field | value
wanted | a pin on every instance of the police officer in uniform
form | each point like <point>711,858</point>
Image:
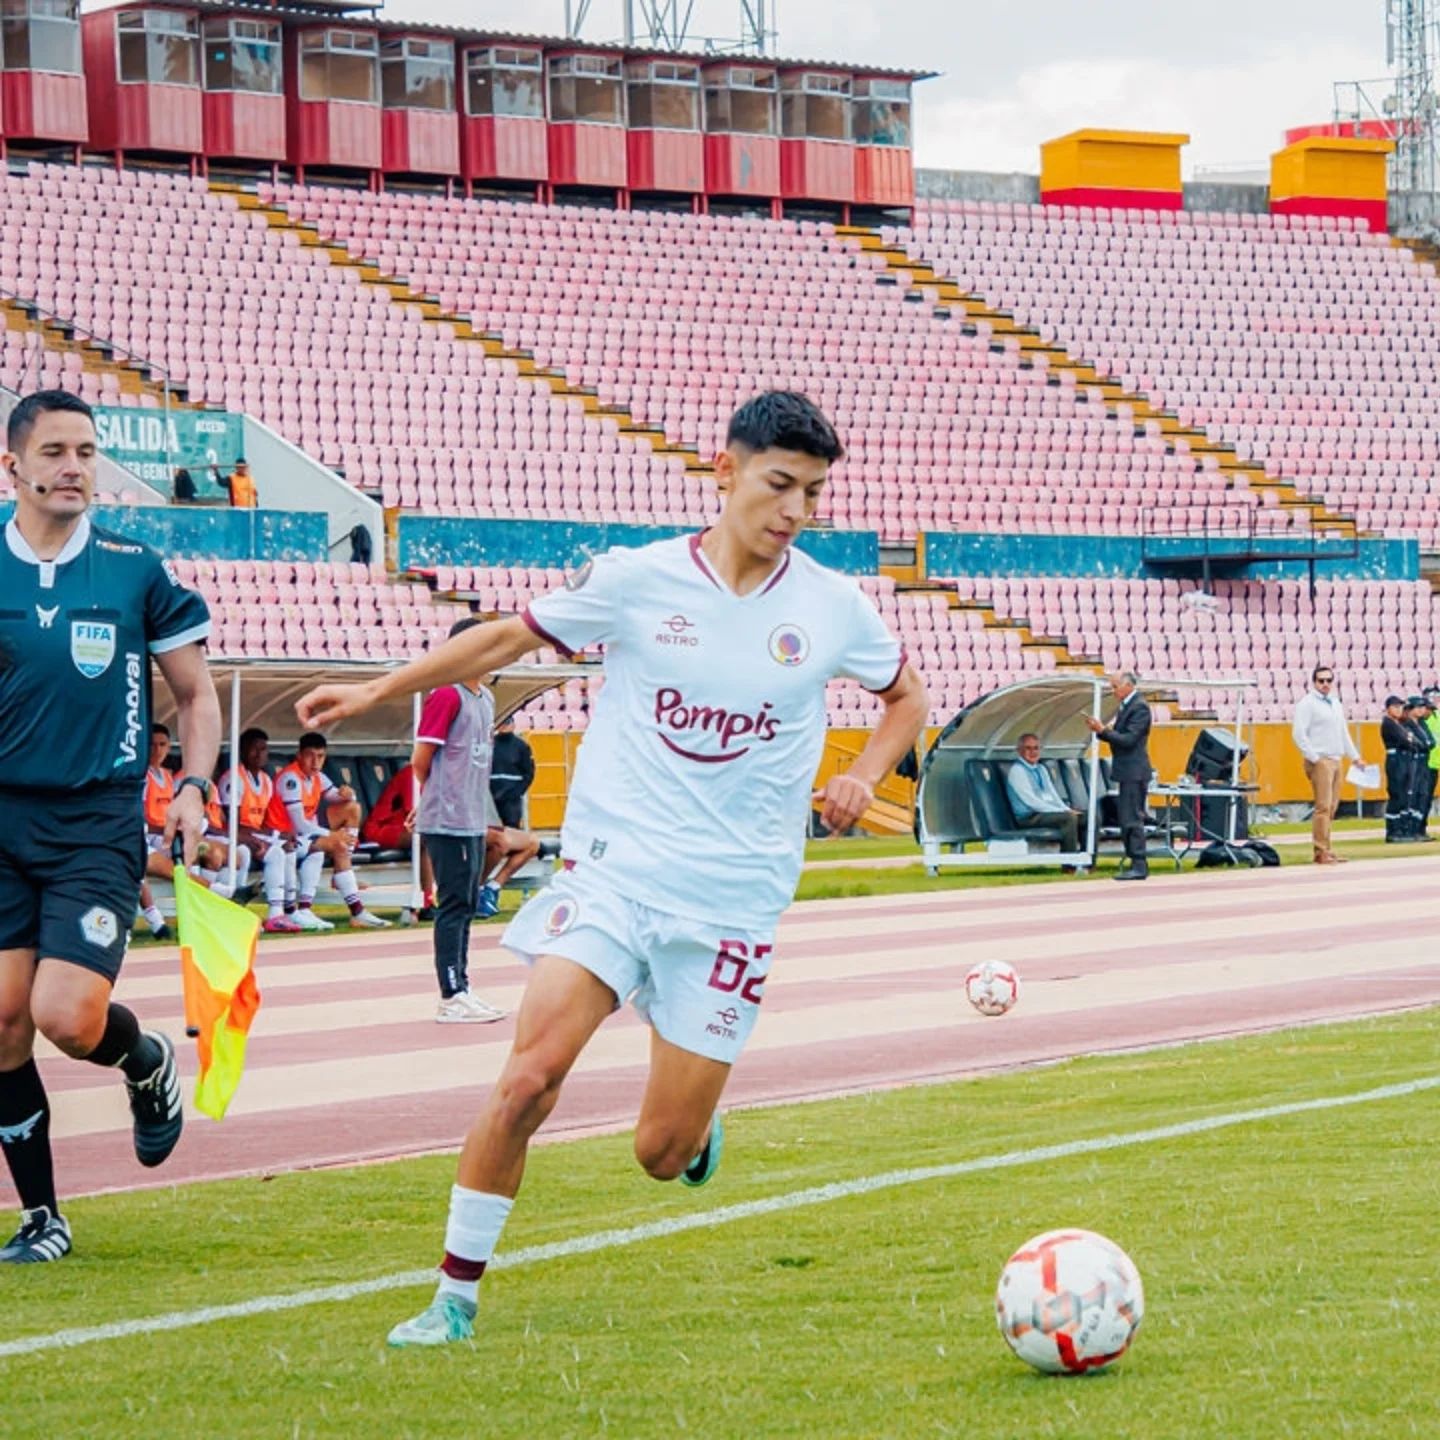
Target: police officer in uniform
<point>82,610</point>
<point>1398,742</point>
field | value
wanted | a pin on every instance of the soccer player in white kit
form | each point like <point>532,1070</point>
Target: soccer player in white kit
<point>684,833</point>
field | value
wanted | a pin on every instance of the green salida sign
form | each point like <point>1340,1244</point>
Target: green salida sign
<point>154,445</point>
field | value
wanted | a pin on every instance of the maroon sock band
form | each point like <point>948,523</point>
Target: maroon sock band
<point>459,1268</point>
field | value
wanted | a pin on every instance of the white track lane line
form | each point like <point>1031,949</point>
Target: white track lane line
<point>705,1220</point>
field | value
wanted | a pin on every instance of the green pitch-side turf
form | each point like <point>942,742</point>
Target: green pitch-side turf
<point>1290,1268</point>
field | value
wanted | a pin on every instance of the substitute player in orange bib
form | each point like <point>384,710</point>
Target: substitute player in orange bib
<point>684,833</point>
<point>301,788</point>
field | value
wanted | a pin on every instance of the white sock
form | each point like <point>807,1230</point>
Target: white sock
<point>310,868</point>
<point>274,872</point>
<point>471,1235</point>
<point>153,918</point>
<point>349,889</point>
<point>292,880</point>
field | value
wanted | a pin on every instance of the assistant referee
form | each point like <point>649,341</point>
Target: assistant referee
<point>81,612</point>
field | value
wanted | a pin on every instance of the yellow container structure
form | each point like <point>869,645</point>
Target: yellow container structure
<point>1113,169</point>
<point>1332,175</point>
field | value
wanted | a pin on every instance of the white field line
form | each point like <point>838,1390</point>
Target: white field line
<point>705,1220</point>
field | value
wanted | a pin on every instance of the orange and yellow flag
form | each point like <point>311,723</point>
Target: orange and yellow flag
<point>217,965</point>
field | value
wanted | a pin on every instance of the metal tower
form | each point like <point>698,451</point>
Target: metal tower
<point>1405,103</point>
<point>1412,46</point>
<point>668,25</point>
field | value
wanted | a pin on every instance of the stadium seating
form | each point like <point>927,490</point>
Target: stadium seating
<point>1381,636</point>
<point>1262,332</point>
<point>679,317</point>
<point>1308,346</point>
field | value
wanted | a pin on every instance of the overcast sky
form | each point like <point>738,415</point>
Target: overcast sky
<point>1233,74</point>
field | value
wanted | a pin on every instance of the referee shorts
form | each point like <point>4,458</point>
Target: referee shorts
<point>70,870</point>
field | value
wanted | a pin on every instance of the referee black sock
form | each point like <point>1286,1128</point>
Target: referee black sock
<point>25,1136</point>
<point>122,1044</point>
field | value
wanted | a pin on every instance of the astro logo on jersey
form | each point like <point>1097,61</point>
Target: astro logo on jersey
<point>675,631</point>
<point>92,646</point>
<point>789,645</point>
<point>673,714</point>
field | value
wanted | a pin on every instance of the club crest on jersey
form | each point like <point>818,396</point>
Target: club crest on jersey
<point>563,914</point>
<point>789,645</point>
<point>92,646</point>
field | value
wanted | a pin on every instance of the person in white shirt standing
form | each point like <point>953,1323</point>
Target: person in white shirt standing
<point>684,833</point>
<point>1323,738</point>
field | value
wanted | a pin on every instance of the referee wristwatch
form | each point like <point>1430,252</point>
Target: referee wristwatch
<point>205,787</point>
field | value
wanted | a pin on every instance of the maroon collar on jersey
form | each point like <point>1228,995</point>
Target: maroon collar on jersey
<point>707,570</point>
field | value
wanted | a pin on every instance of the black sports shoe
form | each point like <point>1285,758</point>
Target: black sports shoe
<point>155,1104</point>
<point>41,1236</point>
<point>162,931</point>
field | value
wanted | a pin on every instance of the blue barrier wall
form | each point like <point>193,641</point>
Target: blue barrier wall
<point>427,541</point>
<point>1119,557</point>
<point>217,533</point>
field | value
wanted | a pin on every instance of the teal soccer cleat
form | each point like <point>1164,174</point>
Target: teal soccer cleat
<point>445,1320</point>
<point>707,1162</point>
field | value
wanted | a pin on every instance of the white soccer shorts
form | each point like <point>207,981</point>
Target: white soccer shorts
<point>699,985</point>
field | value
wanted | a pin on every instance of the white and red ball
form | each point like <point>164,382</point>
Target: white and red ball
<point>992,987</point>
<point>1069,1302</point>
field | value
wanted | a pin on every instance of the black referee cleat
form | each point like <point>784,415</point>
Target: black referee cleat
<point>41,1236</point>
<point>155,1104</point>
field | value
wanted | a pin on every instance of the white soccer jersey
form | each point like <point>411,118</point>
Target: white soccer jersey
<point>695,776</point>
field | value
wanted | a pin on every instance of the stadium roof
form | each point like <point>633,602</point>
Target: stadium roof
<point>327,9</point>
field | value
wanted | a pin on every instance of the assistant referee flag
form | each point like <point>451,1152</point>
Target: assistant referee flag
<point>217,965</point>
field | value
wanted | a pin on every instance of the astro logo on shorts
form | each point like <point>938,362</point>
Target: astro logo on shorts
<point>92,646</point>
<point>99,926</point>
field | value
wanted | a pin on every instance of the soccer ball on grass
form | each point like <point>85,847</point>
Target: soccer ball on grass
<point>1069,1302</point>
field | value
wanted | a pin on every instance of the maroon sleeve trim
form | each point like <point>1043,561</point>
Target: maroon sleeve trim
<point>545,635</point>
<point>894,679</point>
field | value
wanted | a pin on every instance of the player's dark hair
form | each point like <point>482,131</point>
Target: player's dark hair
<point>783,420</point>
<point>312,740</point>
<point>31,407</point>
<point>460,626</point>
<point>158,729</point>
<point>250,736</point>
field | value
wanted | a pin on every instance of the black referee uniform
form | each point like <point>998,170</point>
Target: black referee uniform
<point>76,636</point>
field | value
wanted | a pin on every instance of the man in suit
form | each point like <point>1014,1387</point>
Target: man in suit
<point>1128,735</point>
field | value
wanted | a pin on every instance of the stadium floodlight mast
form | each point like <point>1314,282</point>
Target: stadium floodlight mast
<point>1406,106</point>
<point>670,25</point>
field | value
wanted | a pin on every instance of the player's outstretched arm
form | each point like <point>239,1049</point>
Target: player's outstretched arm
<point>847,797</point>
<point>473,652</point>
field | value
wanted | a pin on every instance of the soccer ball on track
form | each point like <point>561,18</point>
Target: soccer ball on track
<point>992,987</point>
<point>1069,1302</point>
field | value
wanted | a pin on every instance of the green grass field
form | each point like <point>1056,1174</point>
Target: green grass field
<point>1289,1266</point>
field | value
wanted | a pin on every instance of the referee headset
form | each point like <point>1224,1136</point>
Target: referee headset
<point>30,485</point>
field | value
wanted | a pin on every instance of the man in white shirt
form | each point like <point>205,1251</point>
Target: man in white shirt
<point>684,833</point>
<point>1034,800</point>
<point>1323,739</point>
